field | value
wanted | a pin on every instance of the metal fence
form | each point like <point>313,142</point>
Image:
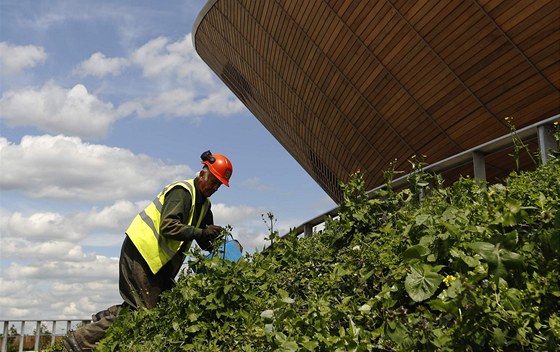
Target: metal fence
<point>543,130</point>
<point>36,335</point>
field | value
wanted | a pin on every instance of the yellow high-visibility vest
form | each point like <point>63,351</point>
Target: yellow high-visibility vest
<point>144,229</point>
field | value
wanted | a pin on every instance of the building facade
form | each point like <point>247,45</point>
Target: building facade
<point>348,85</point>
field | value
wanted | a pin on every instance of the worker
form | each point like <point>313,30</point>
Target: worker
<point>155,244</point>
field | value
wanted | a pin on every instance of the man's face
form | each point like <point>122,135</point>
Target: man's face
<point>208,184</point>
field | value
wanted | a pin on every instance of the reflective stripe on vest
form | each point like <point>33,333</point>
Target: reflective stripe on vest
<point>144,229</point>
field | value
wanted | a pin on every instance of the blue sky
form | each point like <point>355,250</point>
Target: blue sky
<point>103,103</point>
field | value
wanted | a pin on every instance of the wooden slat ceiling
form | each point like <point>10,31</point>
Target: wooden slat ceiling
<point>347,85</point>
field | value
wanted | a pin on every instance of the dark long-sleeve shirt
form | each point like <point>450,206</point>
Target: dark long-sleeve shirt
<point>175,214</point>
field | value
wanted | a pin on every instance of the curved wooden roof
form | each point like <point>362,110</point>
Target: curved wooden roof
<point>348,85</point>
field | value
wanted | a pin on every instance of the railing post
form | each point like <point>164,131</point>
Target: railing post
<point>53,336</point>
<point>546,141</point>
<point>307,230</point>
<point>37,334</point>
<point>479,165</point>
<point>5,336</point>
<point>21,335</point>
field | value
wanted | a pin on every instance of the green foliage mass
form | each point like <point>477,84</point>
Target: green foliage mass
<point>469,267</point>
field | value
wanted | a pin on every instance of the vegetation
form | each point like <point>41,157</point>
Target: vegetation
<point>469,267</point>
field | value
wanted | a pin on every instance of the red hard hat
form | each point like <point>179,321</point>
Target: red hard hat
<point>219,166</point>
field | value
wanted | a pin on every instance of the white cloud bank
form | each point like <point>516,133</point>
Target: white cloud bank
<point>60,167</point>
<point>59,230</point>
<point>178,85</point>
<point>58,110</point>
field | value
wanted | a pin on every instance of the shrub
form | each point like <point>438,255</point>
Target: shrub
<point>469,267</point>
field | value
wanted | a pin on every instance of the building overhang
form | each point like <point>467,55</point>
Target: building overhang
<point>366,84</point>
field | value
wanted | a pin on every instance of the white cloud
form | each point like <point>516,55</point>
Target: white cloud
<point>62,167</point>
<point>58,110</point>
<point>177,60</point>
<point>248,227</point>
<point>91,267</point>
<point>58,299</point>
<point>184,103</point>
<point>99,66</point>
<point>37,226</point>
<point>14,58</point>
<point>56,236</point>
<point>187,86</point>
<point>224,214</point>
<point>114,217</point>
<point>15,248</point>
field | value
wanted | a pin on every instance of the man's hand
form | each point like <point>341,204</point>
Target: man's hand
<point>211,232</point>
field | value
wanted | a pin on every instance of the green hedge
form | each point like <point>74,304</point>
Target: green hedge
<point>468,267</point>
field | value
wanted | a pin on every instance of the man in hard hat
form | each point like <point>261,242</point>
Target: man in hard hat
<point>155,244</point>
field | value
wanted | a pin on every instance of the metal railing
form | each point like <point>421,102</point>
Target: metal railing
<point>543,130</point>
<point>45,333</point>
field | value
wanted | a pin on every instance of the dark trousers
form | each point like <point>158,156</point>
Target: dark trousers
<point>139,288</point>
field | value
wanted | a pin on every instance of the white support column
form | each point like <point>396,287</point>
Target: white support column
<point>37,334</point>
<point>22,336</point>
<point>5,336</point>
<point>546,141</point>
<point>479,165</point>
<point>53,336</point>
<point>307,230</point>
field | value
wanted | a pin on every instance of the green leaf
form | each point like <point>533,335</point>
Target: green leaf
<point>421,283</point>
<point>193,328</point>
<point>421,219</point>
<point>416,252</point>
<point>396,331</point>
<point>470,261</point>
<point>353,330</point>
<point>498,259</point>
<point>481,247</point>
<point>450,213</point>
<point>310,345</point>
<point>512,300</point>
<point>267,315</point>
<point>268,328</point>
<point>288,300</point>
<point>511,259</point>
<point>366,308</point>
<point>509,219</point>
<point>511,239</point>
<point>441,305</point>
<point>280,337</point>
<point>289,346</point>
<point>499,337</point>
<point>513,206</point>
<point>441,338</point>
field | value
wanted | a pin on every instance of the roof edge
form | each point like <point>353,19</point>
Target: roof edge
<point>205,9</point>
